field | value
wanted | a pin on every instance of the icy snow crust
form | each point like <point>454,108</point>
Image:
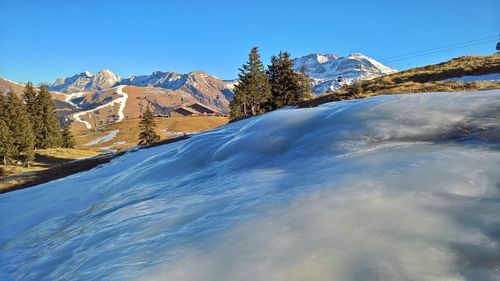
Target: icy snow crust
<point>401,187</point>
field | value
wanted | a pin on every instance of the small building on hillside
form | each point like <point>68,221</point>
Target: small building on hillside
<point>195,109</point>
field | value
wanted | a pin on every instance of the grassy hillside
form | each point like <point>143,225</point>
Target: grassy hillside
<point>423,79</point>
<point>127,131</point>
<point>46,158</point>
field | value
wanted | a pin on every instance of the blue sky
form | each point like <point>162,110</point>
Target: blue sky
<point>43,40</point>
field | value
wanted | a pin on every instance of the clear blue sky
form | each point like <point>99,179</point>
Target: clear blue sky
<point>43,40</point>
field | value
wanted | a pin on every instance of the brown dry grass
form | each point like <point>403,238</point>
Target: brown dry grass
<point>129,130</point>
<point>44,159</point>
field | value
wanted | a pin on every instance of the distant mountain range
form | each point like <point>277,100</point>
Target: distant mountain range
<point>87,97</point>
<point>324,71</point>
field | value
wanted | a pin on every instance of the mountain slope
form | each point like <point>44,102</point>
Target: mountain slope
<point>10,86</point>
<point>324,70</point>
<point>205,88</point>
<point>390,187</point>
<point>191,87</point>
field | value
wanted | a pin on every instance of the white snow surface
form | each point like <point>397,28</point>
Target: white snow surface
<point>111,135</point>
<point>121,100</point>
<point>400,187</point>
<point>476,78</point>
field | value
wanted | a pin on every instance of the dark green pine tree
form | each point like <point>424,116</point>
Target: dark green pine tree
<point>285,83</point>
<point>3,108</point>
<point>253,89</point>
<point>48,132</point>
<point>23,138</point>
<point>6,142</point>
<point>31,101</point>
<point>305,92</point>
<point>67,138</point>
<point>147,125</point>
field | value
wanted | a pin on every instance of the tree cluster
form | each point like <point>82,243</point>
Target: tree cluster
<point>29,123</point>
<point>259,91</point>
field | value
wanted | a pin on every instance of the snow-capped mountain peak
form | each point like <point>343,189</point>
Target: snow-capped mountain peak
<point>85,81</point>
<point>325,69</point>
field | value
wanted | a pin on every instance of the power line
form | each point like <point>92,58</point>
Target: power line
<point>426,52</point>
<point>446,46</point>
<point>435,52</point>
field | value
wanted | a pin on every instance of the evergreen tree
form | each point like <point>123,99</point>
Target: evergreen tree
<point>23,138</point>
<point>6,143</point>
<point>3,108</point>
<point>31,101</point>
<point>67,139</point>
<point>285,83</point>
<point>253,89</point>
<point>147,125</point>
<point>47,130</point>
<point>305,91</point>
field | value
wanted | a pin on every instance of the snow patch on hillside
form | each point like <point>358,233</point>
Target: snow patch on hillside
<point>400,187</point>
<point>122,101</point>
<point>111,135</point>
<point>476,78</point>
<point>69,97</point>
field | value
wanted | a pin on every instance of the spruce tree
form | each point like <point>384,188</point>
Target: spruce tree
<point>3,108</point>
<point>67,139</point>
<point>23,138</point>
<point>47,131</point>
<point>6,143</point>
<point>285,83</point>
<point>31,101</point>
<point>253,89</point>
<point>305,91</point>
<point>147,125</point>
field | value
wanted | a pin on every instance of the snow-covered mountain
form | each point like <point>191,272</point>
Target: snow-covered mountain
<point>85,81</point>
<point>324,70</point>
<point>397,187</point>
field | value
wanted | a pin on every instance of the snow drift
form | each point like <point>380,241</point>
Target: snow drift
<point>402,187</point>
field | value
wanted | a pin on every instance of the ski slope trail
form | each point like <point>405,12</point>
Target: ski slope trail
<point>122,101</point>
<point>399,187</point>
<point>69,97</point>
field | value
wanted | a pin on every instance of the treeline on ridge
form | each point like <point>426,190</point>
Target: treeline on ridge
<point>259,90</point>
<point>29,123</point>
